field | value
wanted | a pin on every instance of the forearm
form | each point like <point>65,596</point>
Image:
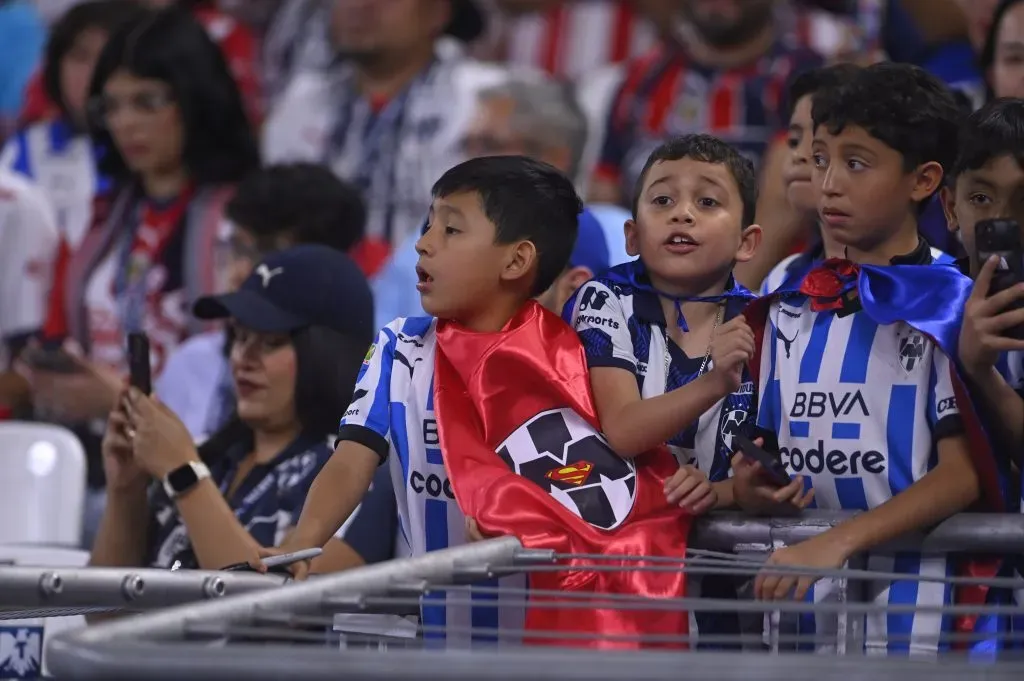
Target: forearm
<point>121,537</point>
<point>947,490</point>
<point>644,424</point>
<point>217,538</point>
<point>1004,411</point>
<point>337,556</point>
<point>724,492</point>
<point>335,493</point>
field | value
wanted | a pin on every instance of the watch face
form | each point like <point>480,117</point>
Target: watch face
<point>182,478</point>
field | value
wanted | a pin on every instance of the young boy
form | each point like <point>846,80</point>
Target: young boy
<point>801,191</point>
<point>876,426</point>
<point>500,232</point>
<point>986,182</point>
<point>653,381</point>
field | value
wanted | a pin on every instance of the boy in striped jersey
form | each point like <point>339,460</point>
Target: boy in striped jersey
<point>500,231</point>
<point>987,182</point>
<point>876,427</point>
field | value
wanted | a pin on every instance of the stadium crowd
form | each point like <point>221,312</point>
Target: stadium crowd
<point>267,188</point>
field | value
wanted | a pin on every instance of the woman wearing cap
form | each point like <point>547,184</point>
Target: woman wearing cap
<point>301,323</point>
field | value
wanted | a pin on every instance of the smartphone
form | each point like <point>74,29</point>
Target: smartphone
<point>1001,237</point>
<point>138,362</point>
<point>52,359</point>
<point>770,462</point>
<point>278,563</point>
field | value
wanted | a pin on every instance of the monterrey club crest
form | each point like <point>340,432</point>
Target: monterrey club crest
<point>564,455</point>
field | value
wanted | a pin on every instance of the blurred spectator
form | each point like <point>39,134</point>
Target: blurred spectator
<point>58,154</point>
<point>295,39</point>
<point>236,41</point>
<point>1002,57</point>
<point>22,37</point>
<point>175,138</point>
<point>534,117</point>
<point>568,38</point>
<point>28,248</point>
<point>273,209</point>
<point>724,75</point>
<point>389,116</point>
<point>294,360</point>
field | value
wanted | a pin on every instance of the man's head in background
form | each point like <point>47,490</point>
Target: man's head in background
<point>286,205</point>
<point>726,23</point>
<point>541,118</point>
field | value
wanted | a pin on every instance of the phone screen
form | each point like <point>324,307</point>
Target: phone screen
<point>138,362</point>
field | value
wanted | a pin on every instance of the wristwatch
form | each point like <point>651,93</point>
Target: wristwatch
<point>182,479</point>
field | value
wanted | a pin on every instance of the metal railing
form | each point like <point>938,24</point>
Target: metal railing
<point>293,632</point>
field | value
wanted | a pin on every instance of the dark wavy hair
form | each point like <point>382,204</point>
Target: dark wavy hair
<point>327,364</point>
<point>171,46</point>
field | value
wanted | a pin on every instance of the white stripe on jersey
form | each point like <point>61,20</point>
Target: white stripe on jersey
<point>394,398</point>
<point>859,427</point>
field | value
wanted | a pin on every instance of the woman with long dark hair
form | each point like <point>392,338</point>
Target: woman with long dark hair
<point>301,324</point>
<point>175,138</point>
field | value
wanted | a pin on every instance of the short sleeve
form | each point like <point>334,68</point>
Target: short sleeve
<point>372,527</point>
<point>943,411</point>
<point>367,419</point>
<point>596,314</point>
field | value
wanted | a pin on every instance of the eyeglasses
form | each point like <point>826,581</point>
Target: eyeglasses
<point>103,107</point>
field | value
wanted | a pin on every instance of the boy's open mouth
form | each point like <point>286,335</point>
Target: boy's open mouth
<point>424,279</point>
<point>680,243</point>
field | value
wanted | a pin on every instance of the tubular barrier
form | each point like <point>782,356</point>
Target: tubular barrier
<point>321,629</point>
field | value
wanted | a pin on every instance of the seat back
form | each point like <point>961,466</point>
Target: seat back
<point>42,484</point>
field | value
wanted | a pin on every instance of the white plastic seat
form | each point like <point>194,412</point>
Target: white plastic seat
<point>42,484</point>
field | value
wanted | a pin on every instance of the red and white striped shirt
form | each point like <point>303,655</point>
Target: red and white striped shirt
<point>577,37</point>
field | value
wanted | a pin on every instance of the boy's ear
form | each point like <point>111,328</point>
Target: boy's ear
<point>947,197</point>
<point>749,243</point>
<point>521,262</point>
<point>632,238</point>
<point>927,180</point>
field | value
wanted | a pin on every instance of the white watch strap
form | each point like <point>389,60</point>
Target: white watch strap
<point>198,467</point>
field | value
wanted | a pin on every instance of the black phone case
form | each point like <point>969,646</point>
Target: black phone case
<point>1002,237</point>
<point>138,362</point>
<point>770,462</point>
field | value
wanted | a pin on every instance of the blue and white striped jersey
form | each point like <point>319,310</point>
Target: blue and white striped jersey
<point>392,412</point>
<point>858,409</point>
<point>621,326</point>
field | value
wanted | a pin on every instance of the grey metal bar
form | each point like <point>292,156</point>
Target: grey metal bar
<point>171,662</point>
<point>142,589</point>
<point>968,532</point>
<point>70,655</point>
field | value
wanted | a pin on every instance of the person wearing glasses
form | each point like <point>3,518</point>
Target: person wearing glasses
<point>165,110</point>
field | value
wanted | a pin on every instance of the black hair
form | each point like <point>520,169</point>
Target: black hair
<point>327,364</point>
<point>102,15</point>
<point>706,149</point>
<point>527,200</point>
<point>987,57</point>
<point>994,130</point>
<point>903,106</point>
<point>304,201</point>
<point>811,81</point>
<point>171,46</point>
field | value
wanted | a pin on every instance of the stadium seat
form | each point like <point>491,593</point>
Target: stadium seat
<point>42,484</point>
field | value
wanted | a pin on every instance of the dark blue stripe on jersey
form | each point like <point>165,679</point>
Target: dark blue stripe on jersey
<point>416,326</point>
<point>899,438</point>
<point>851,494</point>
<point>810,363</point>
<point>436,530</point>
<point>902,592</point>
<point>485,613</point>
<point>22,163</point>
<point>433,453</point>
<point>799,428</point>
<point>932,413</point>
<point>845,431</point>
<point>770,412</point>
<point>858,350</point>
<point>400,438</point>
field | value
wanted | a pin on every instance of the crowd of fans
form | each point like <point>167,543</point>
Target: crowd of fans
<point>252,183</point>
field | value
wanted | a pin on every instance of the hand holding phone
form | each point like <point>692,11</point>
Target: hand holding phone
<point>1001,238</point>
<point>770,461</point>
<point>139,369</point>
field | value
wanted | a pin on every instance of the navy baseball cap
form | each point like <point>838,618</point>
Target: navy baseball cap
<point>307,285</point>
<point>591,249</point>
